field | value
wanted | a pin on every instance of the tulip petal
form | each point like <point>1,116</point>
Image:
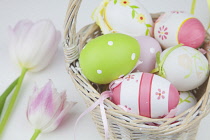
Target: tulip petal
<point>39,44</point>
<point>40,99</point>
<point>33,45</point>
<point>43,121</point>
<point>41,63</point>
<point>17,36</point>
<point>67,107</point>
<point>47,108</point>
<point>12,45</point>
<point>22,27</point>
<point>62,113</point>
<point>41,103</point>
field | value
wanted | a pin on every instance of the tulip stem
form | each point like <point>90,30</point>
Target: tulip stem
<point>6,93</point>
<point>12,101</point>
<point>36,134</point>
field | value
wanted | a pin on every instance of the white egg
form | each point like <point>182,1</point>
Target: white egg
<point>123,16</point>
<point>185,67</point>
<point>186,101</point>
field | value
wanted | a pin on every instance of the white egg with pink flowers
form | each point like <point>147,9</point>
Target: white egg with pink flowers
<point>146,94</point>
<point>179,27</point>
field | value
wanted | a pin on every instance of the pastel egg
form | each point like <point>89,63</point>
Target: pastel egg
<point>146,94</point>
<point>178,27</point>
<point>185,67</point>
<point>123,16</point>
<point>149,48</point>
<point>186,101</point>
<point>108,57</point>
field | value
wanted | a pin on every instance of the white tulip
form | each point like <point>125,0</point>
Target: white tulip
<point>33,45</point>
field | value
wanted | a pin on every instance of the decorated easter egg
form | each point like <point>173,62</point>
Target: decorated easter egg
<point>109,57</point>
<point>146,94</point>
<point>179,27</point>
<point>149,48</point>
<point>123,16</point>
<point>185,67</point>
<point>186,101</point>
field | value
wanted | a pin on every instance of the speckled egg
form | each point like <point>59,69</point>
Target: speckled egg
<point>177,27</point>
<point>186,101</point>
<point>146,94</point>
<point>109,57</point>
<point>123,16</point>
<point>185,67</point>
<point>149,48</point>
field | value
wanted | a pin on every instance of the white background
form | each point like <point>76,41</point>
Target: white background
<point>11,11</point>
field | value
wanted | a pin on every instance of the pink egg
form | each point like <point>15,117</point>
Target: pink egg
<point>146,94</point>
<point>149,48</point>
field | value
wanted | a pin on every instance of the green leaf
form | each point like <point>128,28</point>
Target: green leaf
<point>147,32</point>
<point>187,101</point>
<point>11,104</point>
<point>187,76</point>
<point>6,93</point>
<point>148,25</point>
<point>133,6</point>
<point>158,57</point>
<point>133,13</point>
<point>115,1</point>
<point>201,68</point>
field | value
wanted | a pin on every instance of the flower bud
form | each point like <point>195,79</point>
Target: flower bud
<point>47,108</point>
<point>33,45</point>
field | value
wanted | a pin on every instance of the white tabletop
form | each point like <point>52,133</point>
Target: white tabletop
<point>11,11</point>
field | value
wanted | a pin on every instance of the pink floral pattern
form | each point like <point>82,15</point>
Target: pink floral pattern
<point>177,12</point>
<point>127,107</point>
<point>163,32</point>
<point>129,77</point>
<point>160,94</point>
<point>160,117</point>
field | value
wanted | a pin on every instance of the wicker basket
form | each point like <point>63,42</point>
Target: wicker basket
<point>123,125</point>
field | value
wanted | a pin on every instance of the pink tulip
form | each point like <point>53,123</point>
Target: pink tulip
<point>33,45</point>
<point>47,108</point>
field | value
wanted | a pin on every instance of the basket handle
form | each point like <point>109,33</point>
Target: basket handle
<point>71,51</point>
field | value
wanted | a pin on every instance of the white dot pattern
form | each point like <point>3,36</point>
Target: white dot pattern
<point>99,71</point>
<point>133,56</point>
<point>152,50</point>
<point>110,43</point>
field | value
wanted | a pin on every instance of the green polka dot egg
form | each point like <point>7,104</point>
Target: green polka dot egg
<point>109,57</point>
